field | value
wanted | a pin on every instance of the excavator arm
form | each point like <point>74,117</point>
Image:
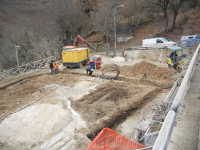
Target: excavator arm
<point>79,39</point>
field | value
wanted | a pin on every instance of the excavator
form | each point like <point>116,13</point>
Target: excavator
<point>78,55</point>
<point>94,63</point>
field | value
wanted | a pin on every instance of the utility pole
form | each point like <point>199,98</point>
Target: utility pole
<point>115,31</point>
<point>115,25</point>
<point>16,54</point>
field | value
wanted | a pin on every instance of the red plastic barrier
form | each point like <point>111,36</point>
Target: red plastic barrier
<point>108,139</point>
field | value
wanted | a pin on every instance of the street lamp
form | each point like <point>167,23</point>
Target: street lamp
<point>115,25</point>
<point>16,54</point>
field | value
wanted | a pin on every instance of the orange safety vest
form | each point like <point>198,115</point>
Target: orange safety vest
<point>56,65</point>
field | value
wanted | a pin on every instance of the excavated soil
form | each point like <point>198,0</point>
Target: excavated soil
<point>28,91</point>
<point>111,103</point>
<point>160,76</point>
<point>150,70</point>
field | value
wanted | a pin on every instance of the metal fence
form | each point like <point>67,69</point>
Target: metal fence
<point>164,136</point>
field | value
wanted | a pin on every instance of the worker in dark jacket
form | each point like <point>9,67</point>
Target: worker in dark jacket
<point>90,68</point>
<point>51,66</point>
<point>173,56</point>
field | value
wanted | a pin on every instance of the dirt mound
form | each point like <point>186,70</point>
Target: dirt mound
<point>149,71</point>
<point>111,102</point>
<point>150,74</point>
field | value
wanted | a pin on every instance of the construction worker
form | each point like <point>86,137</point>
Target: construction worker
<point>51,66</point>
<point>54,67</point>
<point>90,68</point>
<point>173,61</point>
<point>173,56</point>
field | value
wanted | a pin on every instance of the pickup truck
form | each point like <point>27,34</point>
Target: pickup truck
<point>159,42</point>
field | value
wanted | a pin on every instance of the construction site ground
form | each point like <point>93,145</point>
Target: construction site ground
<point>67,110</point>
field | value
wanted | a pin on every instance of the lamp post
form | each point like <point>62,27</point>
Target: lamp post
<point>115,25</point>
<point>16,54</point>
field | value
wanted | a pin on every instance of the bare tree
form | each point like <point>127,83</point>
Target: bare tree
<point>164,6</point>
<point>75,20</point>
<point>194,3</point>
<point>138,12</point>
<point>175,6</point>
<point>168,6</point>
<point>103,21</point>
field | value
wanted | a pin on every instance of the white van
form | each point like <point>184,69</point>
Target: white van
<point>159,42</point>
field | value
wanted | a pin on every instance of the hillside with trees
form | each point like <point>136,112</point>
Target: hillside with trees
<point>41,27</point>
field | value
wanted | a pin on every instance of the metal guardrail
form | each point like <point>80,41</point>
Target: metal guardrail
<point>164,136</point>
<point>186,82</point>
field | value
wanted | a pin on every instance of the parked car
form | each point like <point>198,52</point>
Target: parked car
<point>190,40</point>
<point>159,42</point>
